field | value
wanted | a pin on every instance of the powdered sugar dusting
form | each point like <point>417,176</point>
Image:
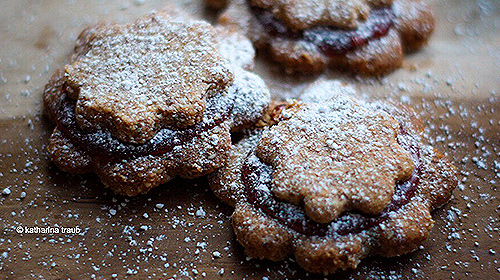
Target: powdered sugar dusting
<point>235,47</point>
<point>251,98</point>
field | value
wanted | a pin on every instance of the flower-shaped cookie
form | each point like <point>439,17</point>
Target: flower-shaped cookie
<point>364,36</point>
<point>133,79</point>
<point>367,181</point>
<point>335,155</point>
<point>142,103</point>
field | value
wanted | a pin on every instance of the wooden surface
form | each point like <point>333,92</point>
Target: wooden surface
<point>454,83</point>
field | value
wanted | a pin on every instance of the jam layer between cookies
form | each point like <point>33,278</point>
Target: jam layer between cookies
<point>256,177</point>
<point>104,143</point>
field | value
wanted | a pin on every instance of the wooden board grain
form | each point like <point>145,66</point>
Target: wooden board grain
<point>181,229</point>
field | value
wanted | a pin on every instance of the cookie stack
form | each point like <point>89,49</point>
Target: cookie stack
<point>333,180</point>
<point>363,36</point>
<point>142,103</point>
<point>329,178</point>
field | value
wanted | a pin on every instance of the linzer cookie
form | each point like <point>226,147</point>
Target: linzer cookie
<point>364,36</point>
<point>144,102</point>
<point>333,179</point>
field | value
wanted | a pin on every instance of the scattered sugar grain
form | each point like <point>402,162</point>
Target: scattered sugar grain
<point>6,191</point>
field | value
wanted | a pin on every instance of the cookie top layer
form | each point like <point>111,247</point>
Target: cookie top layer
<point>303,14</point>
<point>132,79</point>
<point>335,154</point>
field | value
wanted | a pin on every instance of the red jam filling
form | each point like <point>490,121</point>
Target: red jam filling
<point>104,143</point>
<point>331,41</point>
<point>257,176</point>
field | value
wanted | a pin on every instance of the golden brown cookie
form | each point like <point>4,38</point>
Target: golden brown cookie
<point>133,79</point>
<point>142,103</point>
<point>334,179</point>
<point>364,36</point>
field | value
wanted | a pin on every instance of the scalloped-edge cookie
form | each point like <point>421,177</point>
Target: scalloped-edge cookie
<point>366,37</point>
<point>133,79</point>
<point>273,224</point>
<point>142,103</point>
